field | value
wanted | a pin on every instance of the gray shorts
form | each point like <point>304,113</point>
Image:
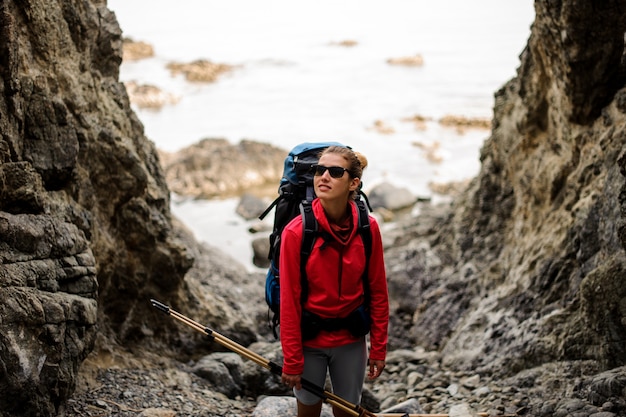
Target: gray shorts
<point>346,366</point>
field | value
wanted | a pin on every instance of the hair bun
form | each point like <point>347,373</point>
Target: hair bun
<point>362,159</point>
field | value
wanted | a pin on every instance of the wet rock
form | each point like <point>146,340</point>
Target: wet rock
<point>147,96</point>
<point>200,70</point>
<point>135,50</point>
<point>408,61</point>
<point>383,128</point>
<point>217,168</point>
<point>462,123</point>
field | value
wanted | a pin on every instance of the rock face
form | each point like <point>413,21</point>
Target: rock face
<point>524,269</point>
<point>85,229</point>
<point>527,268</point>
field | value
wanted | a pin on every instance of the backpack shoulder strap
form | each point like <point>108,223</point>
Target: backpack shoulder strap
<point>309,228</point>
<point>364,227</point>
<point>365,231</point>
<point>363,196</point>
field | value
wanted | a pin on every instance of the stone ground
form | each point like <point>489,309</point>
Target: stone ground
<point>152,392</point>
<point>154,386</point>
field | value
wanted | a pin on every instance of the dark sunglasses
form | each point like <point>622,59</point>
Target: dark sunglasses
<point>335,172</point>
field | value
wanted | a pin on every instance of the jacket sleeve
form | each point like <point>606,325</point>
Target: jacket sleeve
<point>290,308</point>
<point>379,304</point>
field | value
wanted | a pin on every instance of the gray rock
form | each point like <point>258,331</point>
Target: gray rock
<point>223,371</point>
<point>390,197</point>
<point>260,250</point>
<point>461,410</point>
<point>250,206</point>
<point>283,407</point>
<point>217,168</point>
<point>410,406</point>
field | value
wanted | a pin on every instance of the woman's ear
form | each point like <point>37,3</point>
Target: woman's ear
<point>354,184</point>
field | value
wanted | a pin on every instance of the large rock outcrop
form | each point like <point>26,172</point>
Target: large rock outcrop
<point>528,267</point>
<point>215,168</point>
<point>85,230</point>
<point>86,234</point>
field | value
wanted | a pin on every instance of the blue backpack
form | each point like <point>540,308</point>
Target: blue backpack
<point>295,194</point>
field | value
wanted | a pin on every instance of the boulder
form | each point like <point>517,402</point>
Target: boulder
<point>282,407</point>
<point>250,206</point>
<point>217,168</point>
<point>201,70</point>
<point>260,249</point>
<point>391,197</point>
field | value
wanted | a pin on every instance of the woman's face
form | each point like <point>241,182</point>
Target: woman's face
<point>329,188</point>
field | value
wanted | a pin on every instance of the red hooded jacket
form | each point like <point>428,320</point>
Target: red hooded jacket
<point>334,276</point>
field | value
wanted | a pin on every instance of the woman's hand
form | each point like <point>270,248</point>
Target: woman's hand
<point>375,368</point>
<point>292,380</point>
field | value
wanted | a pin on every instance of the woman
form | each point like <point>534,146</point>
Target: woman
<point>336,288</point>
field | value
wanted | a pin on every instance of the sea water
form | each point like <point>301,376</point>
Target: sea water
<point>292,82</point>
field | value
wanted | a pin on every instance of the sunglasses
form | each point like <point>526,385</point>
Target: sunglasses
<point>335,172</point>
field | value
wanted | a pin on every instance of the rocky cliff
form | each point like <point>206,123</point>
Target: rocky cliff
<point>524,269</point>
<point>86,236</point>
<point>528,267</point>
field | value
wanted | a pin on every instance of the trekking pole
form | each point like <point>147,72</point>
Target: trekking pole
<point>327,396</point>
